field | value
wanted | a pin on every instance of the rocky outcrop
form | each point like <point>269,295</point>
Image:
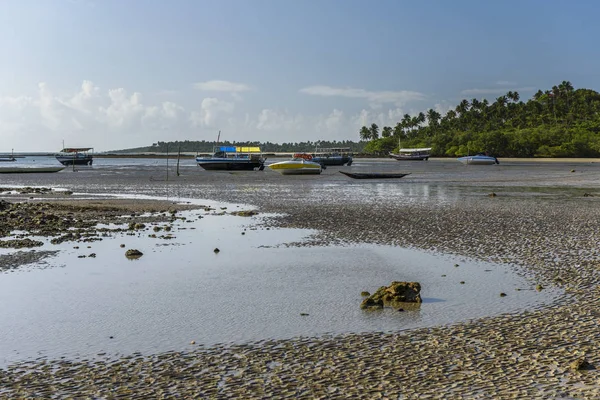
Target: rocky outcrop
<point>394,295</point>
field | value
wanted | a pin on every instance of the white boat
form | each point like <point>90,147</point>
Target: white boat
<point>300,164</point>
<point>479,159</point>
<point>333,156</point>
<point>412,154</point>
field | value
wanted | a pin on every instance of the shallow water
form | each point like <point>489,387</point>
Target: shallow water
<point>255,288</point>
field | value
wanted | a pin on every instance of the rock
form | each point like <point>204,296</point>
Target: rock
<point>588,195</point>
<point>133,253</point>
<point>122,245</point>
<point>539,288</point>
<point>248,213</point>
<point>581,364</point>
<point>92,255</point>
<point>303,314</point>
<point>502,294</point>
<point>193,342</point>
<point>365,294</point>
<point>397,292</point>
<point>462,282</point>
<point>492,194</point>
<point>216,250</point>
<point>572,170</point>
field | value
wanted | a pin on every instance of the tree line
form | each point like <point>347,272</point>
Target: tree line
<point>203,146</point>
<point>559,122</point>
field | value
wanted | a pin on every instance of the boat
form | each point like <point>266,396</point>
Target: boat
<point>11,157</point>
<point>374,175</point>
<point>412,154</point>
<point>76,156</point>
<point>479,159</point>
<point>300,164</point>
<point>233,158</point>
<point>31,170</point>
<point>332,156</point>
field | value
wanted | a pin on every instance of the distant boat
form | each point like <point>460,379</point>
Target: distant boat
<point>233,158</point>
<point>29,170</point>
<point>332,156</point>
<point>412,154</point>
<point>300,164</point>
<point>76,156</point>
<point>479,159</point>
<point>10,157</point>
<point>374,175</point>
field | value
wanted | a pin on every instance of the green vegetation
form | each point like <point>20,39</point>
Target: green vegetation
<point>561,122</point>
<point>207,147</point>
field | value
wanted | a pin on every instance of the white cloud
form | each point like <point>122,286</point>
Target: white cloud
<point>222,86</point>
<point>376,98</point>
<point>211,113</point>
<point>496,90</point>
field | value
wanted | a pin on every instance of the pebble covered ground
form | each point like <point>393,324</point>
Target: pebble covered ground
<point>548,353</point>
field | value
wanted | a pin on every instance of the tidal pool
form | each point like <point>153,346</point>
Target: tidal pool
<point>255,288</point>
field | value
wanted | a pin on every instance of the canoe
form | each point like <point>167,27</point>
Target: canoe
<point>374,175</point>
<point>29,170</point>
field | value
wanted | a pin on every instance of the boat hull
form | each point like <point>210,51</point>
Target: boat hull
<point>296,168</point>
<point>402,157</point>
<point>374,175</point>
<point>332,161</point>
<point>478,160</point>
<point>67,160</point>
<point>29,170</point>
<point>229,165</point>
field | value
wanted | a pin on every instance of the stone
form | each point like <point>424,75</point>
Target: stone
<point>581,364</point>
<point>133,253</point>
<point>397,292</point>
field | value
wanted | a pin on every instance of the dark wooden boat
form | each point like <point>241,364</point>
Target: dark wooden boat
<point>373,175</point>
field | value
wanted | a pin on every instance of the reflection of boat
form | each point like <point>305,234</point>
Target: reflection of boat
<point>479,159</point>
<point>233,158</point>
<point>374,175</point>
<point>412,154</point>
<point>75,155</point>
<point>333,156</point>
<point>300,164</point>
<point>24,170</point>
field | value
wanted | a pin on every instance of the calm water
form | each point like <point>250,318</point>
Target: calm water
<point>255,288</point>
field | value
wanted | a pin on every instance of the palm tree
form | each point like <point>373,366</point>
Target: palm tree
<point>386,132</point>
<point>374,131</point>
<point>365,133</point>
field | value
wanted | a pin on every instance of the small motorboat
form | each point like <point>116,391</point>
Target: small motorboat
<point>479,159</point>
<point>412,154</point>
<point>76,156</point>
<point>300,164</point>
<point>374,175</point>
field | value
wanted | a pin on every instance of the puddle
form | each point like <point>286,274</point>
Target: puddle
<point>254,288</point>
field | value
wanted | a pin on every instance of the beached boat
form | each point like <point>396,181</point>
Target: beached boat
<point>7,158</point>
<point>76,156</point>
<point>300,164</point>
<point>412,154</point>
<point>29,170</point>
<point>332,156</point>
<point>374,175</point>
<point>233,158</point>
<point>479,159</point>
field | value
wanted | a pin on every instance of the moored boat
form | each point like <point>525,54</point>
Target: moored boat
<point>412,154</point>
<point>332,156</point>
<point>29,170</point>
<point>76,156</point>
<point>237,158</point>
<point>374,175</point>
<point>479,159</point>
<point>300,164</point>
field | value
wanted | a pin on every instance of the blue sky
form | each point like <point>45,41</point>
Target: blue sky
<point>116,74</point>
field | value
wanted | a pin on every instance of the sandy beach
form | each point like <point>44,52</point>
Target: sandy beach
<point>541,220</point>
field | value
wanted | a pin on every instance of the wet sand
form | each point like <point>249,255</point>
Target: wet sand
<point>544,222</point>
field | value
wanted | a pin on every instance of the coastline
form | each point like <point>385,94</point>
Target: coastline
<point>526,355</point>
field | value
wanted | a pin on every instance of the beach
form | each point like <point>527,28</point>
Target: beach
<point>539,221</point>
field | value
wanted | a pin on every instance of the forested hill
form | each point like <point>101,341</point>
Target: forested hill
<point>267,147</point>
<point>560,122</point>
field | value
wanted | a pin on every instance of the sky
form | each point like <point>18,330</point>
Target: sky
<point>113,74</point>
